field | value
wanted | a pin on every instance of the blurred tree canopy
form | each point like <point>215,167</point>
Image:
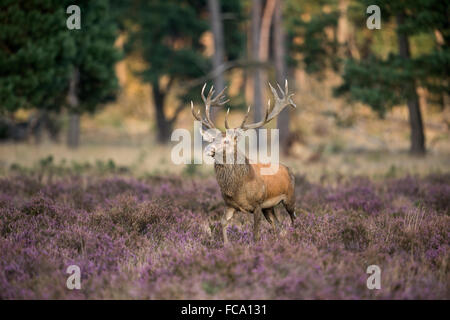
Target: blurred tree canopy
<point>380,82</point>
<point>386,82</point>
<point>168,33</point>
<point>168,37</point>
<point>96,54</point>
<point>308,21</point>
<point>36,51</point>
<point>38,54</point>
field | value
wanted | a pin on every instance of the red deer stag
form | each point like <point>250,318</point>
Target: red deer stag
<point>242,185</point>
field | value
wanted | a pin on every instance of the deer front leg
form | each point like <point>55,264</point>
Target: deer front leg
<point>228,214</point>
<point>257,215</point>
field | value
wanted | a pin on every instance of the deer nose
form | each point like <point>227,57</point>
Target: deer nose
<point>210,151</point>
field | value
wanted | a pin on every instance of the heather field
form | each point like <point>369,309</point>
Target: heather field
<point>158,237</point>
<point>108,187</point>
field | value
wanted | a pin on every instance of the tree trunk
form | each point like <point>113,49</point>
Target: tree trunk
<point>162,123</point>
<point>342,26</point>
<point>279,44</point>
<point>415,116</point>
<point>264,41</point>
<point>255,28</point>
<point>219,48</point>
<point>73,135</point>
<point>265,29</point>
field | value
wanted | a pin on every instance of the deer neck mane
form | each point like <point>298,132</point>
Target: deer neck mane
<point>230,176</point>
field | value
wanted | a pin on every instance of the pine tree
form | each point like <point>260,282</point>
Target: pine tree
<point>168,36</point>
<point>318,50</point>
<point>167,33</point>
<point>383,83</point>
<point>96,55</point>
<point>93,64</point>
<point>36,51</point>
<point>40,56</point>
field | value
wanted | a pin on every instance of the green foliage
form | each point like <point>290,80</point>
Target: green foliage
<point>96,55</point>
<point>38,53</point>
<point>422,15</point>
<point>47,168</point>
<point>378,83</point>
<point>318,50</point>
<point>433,70</point>
<point>190,169</point>
<point>233,28</point>
<point>385,82</point>
<point>168,36</point>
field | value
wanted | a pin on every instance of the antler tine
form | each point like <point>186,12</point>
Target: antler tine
<point>212,102</point>
<point>226,119</point>
<point>220,95</point>
<point>257,124</point>
<point>281,101</point>
<point>274,91</point>
<point>245,118</point>
<point>203,93</point>
<point>207,101</point>
<point>198,117</point>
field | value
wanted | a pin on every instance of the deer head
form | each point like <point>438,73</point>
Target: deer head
<point>226,141</point>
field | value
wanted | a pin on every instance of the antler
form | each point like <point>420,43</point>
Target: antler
<point>243,121</point>
<point>209,102</point>
<point>198,117</point>
<point>281,102</point>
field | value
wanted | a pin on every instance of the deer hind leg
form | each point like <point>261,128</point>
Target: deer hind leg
<point>271,217</point>
<point>266,213</point>
<point>274,217</point>
<point>290,208</point>
<point>227,215</point>
<point>257,215</point>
